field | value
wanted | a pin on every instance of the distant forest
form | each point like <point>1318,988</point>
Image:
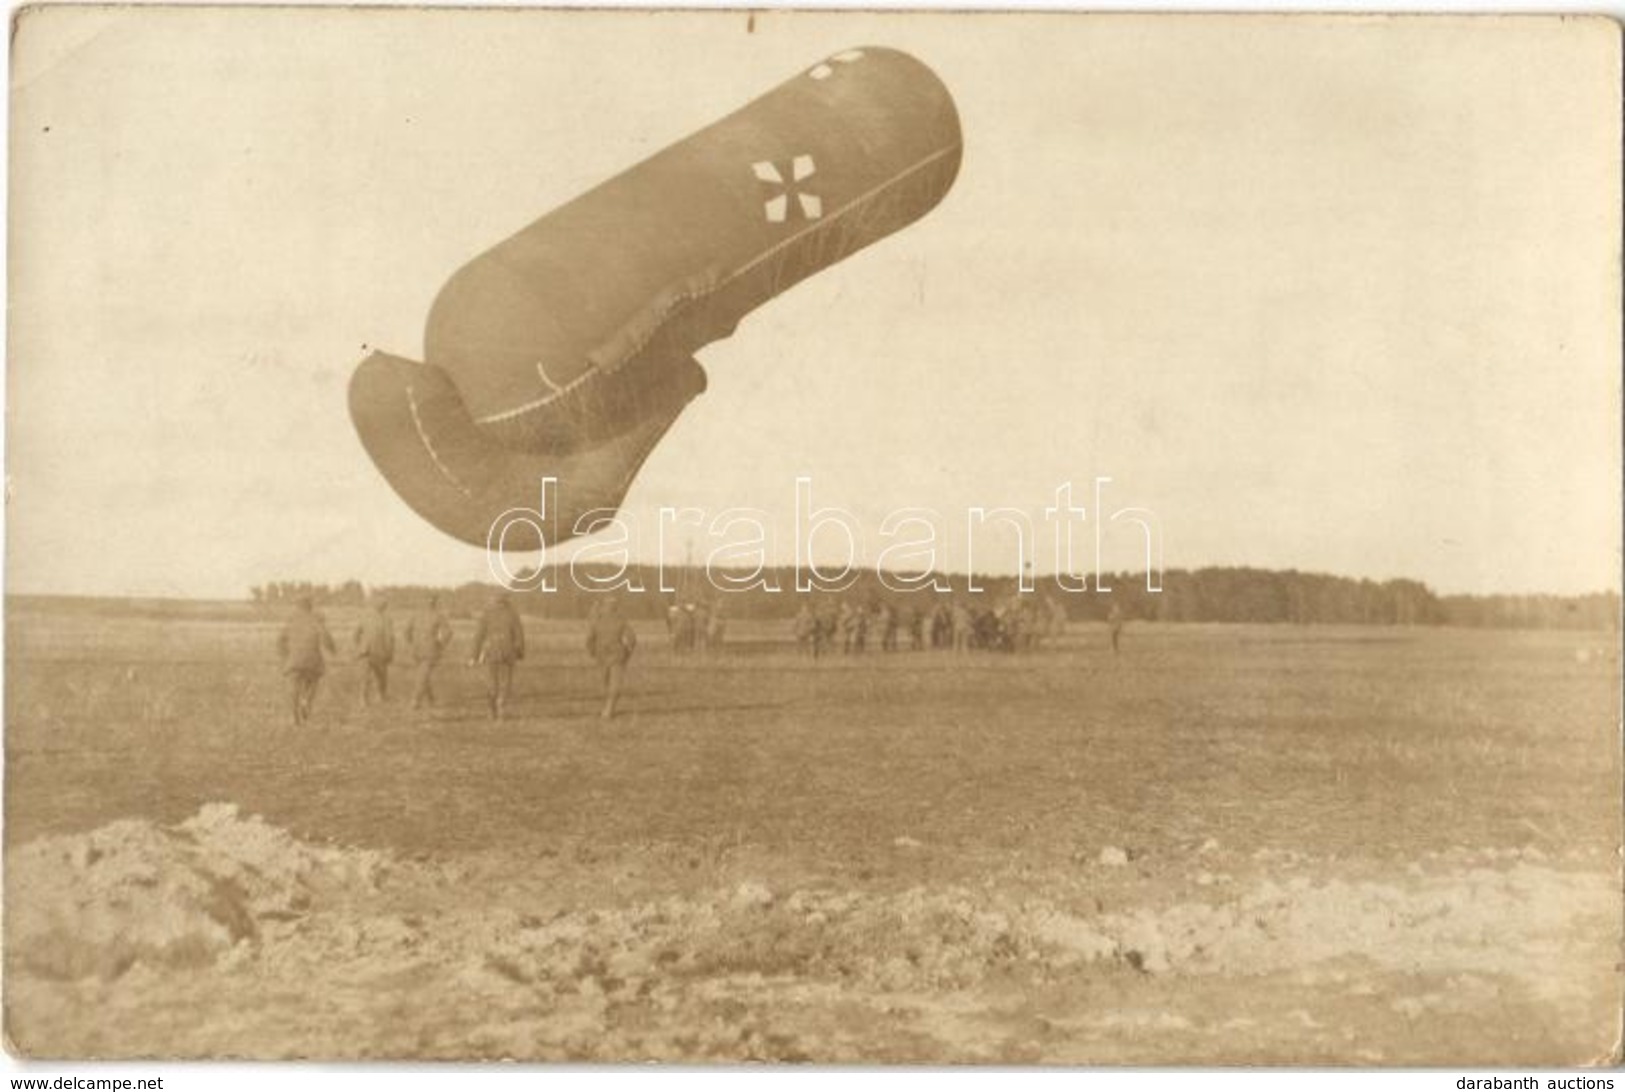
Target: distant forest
<point>1197,595</point>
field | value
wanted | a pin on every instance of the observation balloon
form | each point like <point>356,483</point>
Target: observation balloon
<point>567,350</point>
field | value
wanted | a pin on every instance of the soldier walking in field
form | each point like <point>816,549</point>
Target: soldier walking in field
<point>375,648</point>
<point>1020,634</point>
<point>987,630</point>
<point>1057,617</point>
<point>885,621</point>
<point>427,635</point>
<point>681,623</point>
<point>824,631</point>
<point>847,621</point>
<point>717,635</point>
<point>702,627</point>
<point>610,641</point>
<point>499,643</point>
<point>805,630</point>
<point>964,627</point>
<point>942,626</point>
<point>303,640</point>
<point>1114,621</point>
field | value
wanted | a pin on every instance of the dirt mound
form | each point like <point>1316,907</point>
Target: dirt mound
<point>180,896</point>
<point>1517,922</point>
<point>277,948</point>
<point>917,940</point>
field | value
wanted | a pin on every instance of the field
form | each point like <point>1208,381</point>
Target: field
<point>1265,844</point>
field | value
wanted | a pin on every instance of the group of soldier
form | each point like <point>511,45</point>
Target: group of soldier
<point>1019,624</point>
<point>498,645</point>
<point>696,626</point>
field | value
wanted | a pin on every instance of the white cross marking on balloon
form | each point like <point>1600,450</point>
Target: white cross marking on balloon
<point>824,71</point>
<point>777,208</point>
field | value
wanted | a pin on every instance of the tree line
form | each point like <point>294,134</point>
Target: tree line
<point>1212,594</point>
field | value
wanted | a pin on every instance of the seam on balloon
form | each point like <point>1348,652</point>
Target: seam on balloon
<point>687,297</point>
<point>417,423</point>
<point>541,370</point>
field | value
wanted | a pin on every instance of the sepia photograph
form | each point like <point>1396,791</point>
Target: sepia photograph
<point>862,538</point>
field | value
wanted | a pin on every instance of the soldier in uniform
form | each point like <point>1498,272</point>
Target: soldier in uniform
<point>916,628</point>
<point>942,626</point>
<point>303,640</point>
<point>824,630</point>
<point>1018,631</point>
<point>717,634</point>
<point>683,642</point>
<point>806,630</point>
<point>375,648</point>
<point>674,626</point>
<point>427,635</point>
<point>885,620</point>
<point>610,641</point>
<point>702,627</point>
<point>499,643</point>
<point>1057,618</point>
<point>1114,621</point>
<point>987,629</point>
<point>964,626</point>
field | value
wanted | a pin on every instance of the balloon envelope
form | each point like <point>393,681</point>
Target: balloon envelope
<point>567,350</point>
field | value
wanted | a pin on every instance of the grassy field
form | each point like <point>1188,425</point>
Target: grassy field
<point>1381,771</point>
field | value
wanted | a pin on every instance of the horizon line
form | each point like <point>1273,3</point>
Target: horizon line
<point>246,595</point>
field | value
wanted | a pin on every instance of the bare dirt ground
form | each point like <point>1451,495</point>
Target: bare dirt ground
<point>1262,844</point>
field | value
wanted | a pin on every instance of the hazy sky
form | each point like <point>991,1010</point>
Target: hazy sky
<point>1333,294</point>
